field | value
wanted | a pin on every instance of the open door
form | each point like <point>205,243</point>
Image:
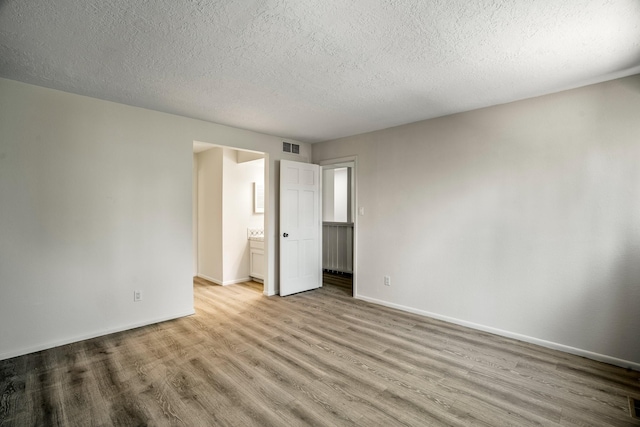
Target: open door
<point>300,227</point>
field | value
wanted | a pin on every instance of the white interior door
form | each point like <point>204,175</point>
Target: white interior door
<point>300,227</point>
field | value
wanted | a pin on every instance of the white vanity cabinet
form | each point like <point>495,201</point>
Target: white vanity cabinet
<point>256,259</point>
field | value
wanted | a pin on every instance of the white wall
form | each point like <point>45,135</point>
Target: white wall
<point>210,190</point>
<point>336,199</point>
<point>95,202</point>
<point>238,213</point>
<point>340,194</point>
<point>522,219</point>
<point>328,195</point>
<point>194,216</point>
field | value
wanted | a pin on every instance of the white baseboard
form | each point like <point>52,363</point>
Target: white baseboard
<point>211,279</point>
<point>52,344</point>
<point>225,283</point>
<point>543,343</point>
<point>233,282</point>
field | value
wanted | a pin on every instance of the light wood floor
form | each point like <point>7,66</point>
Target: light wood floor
<point>316,358</point>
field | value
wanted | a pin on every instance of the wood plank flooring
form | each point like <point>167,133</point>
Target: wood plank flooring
<point>342,280</point>
<point>318,358</point>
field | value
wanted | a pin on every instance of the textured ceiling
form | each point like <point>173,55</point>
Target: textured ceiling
<point>317,70</point>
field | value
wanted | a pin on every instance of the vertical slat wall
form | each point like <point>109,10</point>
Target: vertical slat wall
<point>337,247</point>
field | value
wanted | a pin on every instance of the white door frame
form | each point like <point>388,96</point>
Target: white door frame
<point>355,214</point>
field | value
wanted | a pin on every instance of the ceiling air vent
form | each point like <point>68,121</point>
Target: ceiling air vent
<point>288,147</point>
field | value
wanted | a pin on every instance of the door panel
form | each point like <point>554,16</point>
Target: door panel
<point>300,227</point>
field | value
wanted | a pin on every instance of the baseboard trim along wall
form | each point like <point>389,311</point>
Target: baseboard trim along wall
<point>221,283</point>
<point>52,344</point>
<point>211,279</point>
<point>543,343</point>
<point>233,282</point>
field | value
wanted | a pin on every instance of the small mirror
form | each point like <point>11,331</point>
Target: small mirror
<point>258,197</point>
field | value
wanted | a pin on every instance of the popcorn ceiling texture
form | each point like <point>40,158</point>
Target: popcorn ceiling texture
<point>315,71</point>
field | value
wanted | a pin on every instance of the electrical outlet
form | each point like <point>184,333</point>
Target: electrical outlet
<point>387,280</point>
<point>137,296</point>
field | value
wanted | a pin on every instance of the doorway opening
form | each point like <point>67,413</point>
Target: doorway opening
<point>339,223</point>
<point>229,215</point>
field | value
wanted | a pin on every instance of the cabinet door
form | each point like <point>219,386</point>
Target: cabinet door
<point>257,263</point>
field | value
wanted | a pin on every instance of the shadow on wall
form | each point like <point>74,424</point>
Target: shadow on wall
<point>620,289</point>
<point>632,64</point>
<point>594,272</point>
<point>610,311</point>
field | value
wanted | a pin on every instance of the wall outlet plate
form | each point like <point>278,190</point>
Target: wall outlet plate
<point>137,296</point>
